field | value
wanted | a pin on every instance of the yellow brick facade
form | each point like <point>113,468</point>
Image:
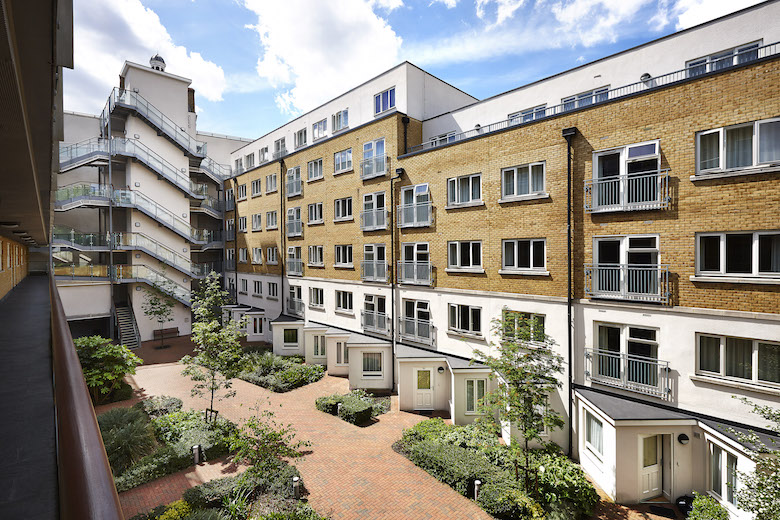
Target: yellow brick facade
<point>13,264</point>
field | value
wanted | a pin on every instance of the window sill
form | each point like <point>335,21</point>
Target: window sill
<point>372,377</point>
<point>289,347</point>
<point>256,230</point>
<point>271,228</point>
<point>343,266</point>
<point>257,263</point>
<point>316,223</point>
<point>337,220</point>
<point>455,270</point>
<point>315,180</point>
<point>465,205</point>
<point>725,174</point>
<point>752,387</point>
<point>273,298</point>
<point>257,295</point>
<point>388,111</point>
<point>272,263</point>
<point>736,279</point>
<point>522,198</point>
<point>524,272</point>
<point>339,130</point>
<point>317,307</point>
<point>345,312</point>
<point>473,414</point>
<point>315,265</point>
<point>242,199</point>
<point>243,292</point>
<point>468,335</point>
<point>342,172</point>
<point>272,191</point>
<point>255,195</point>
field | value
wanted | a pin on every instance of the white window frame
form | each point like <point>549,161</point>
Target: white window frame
<point>257,187</point>
<point>257,329</point>
<point>320,346</point>
<point>342,354</point>
<point>722,147</point>
<point>378,100</point>
<point>263,155</point>
<point>342,209</point>
<point>534,319</point>
<point>314,170</point>
<point>257,222</point>
<point>273,290</point>
<point>271,220</point>
<point>528,115</point>
<point>316,297</point>
<point>340,120</point>
<point>300,138</point>
<point>455,247</point>
<point>293,175</point>
<point>755,359</point>
<point>709,61</point>
<point>319,130</point>
<point>342,161</point>
<point>280,145</point>
<point>532,268</point>
<point>442,139</point>
<point>372,374</point>
<point>272,256</point>
<point>271,183</point>
<point>464,328</point>
<point>598,451</point>
<point>241,194</point>
<point>242,255</point>
<point>579,100</point>
<point>238,165</point>
<point>754,251</point>
<point>242,224</point>
<point>288,344</point>
<point>343,256</point>
<point>257,255</point>
<point>257,288</point>
<point>244,284</point>
<point>316,256</point>
<point>515,172</point>
<point>727,487</point>
<point>472,407</point>
<point>454,192</point>
<point>344,302</point>
<point>249,159</point>
<point>316,213</point>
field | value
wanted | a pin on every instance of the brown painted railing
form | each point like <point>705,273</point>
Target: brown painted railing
<point>86,486</point>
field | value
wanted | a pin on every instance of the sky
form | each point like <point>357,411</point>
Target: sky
<point>256,64</point>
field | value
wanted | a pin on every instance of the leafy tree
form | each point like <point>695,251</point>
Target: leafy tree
<point>759,491</point>
<point>707,508</point>
<point>104,364</point>
<point>218,354</point>
<point>158,304</point>
<point>526,371</point>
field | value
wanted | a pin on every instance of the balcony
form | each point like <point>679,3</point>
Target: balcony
<point>295,306</point>
<point>294,187</point>
<point>278,154</point>
<point>373,271</point>
<point>636,192</point>
<point>415,215</point>
<point>416,330</point>
<point>230,234</point>
<point>230,204</point>
<point>294,267</point>
<point>648,376</point>
<point>641,283</point>
<point>375,321</point>
<point>230,264</point>
<point>415,273</point>
<point>373,167</point>
<point>373,220</point>
<point>294,228</point>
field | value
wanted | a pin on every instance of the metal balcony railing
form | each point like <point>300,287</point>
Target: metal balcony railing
<point>639,374</point>
<point>373,220</point>
<point>230,204</point>
<point>375,321</point>
<point>415,215</point>
<point>416,273</point>
<point>230,264</point>
<point>644,283</point>
<point>294,228</point>
<point>373,271</point>
<point>280,153</point>
<point>155,117</point>
<point>211,203</point>
<point>295,306</point>
<point>373,167</point>
<point>230,234</point>
<point>294,187</point>
<point>294,267</point>
<point>216,170</point>
<point>648,84</point>
<point>416,330</point>
<point>635,192</point>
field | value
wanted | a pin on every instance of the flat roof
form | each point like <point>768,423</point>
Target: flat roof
<point>403,351</point>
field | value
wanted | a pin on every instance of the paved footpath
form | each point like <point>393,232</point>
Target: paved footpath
<point>350,472</point>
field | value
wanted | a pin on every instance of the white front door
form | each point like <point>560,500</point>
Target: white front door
<point>423,396</point>
<point>650,476</point>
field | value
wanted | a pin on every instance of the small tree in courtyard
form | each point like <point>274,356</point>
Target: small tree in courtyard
<point>525,370</point>
<point>159,303</point>
<point>218,355</point>
<point>104,365</point>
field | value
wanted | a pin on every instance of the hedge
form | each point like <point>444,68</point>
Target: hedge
<point>281,374</point>
<point>353,409</point>
<point>158,406</point>
<point>211,494</point>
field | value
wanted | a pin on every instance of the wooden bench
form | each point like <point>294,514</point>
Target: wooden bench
<point>173,332</point>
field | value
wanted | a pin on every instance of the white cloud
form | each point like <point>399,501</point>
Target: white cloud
<point>108,32</point>
<point>314,51</point>
<point>505,9</point>
<point>389,4</point>
<point>694,12</point>
<point>591,22</point>
<point>450,4</point>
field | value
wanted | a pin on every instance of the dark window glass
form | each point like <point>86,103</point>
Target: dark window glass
<point>739,254</point>
<point>709,251</point>
<point>769,253</point>
<point>538,254</point>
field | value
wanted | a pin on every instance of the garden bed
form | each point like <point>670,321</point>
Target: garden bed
<point>357,407</point>
<point>460,455</point>
<point>279,373</point>
<point>154,438</point>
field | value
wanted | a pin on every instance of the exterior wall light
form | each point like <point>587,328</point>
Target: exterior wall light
<point>683,439</point>
<point>440,370</point>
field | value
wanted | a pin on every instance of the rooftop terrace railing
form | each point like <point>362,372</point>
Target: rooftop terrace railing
<point>645,85</point>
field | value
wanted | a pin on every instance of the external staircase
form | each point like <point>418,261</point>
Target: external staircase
<point>127,327</point>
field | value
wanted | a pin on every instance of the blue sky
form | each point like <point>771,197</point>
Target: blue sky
<point>255,64</point>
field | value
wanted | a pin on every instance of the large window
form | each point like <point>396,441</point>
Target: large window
<point>315,213</point>
<point>241,193</point>
<point>242,255</point>
<point>342,353</point>
<point>464,190</point>
<point>257,187</point>
<point>524,180</point>
<point>741,254</point>
<point>270,183</point>
<point>315,170</point>
<point>263,154</point>
<point>475,393</point>
<point>316,297</point>
<point>342,161</point>
<point>372,364</point>
<point>300,138</point>
<point>250,161</point>
<point>340,120</point>
<point>319,346</point>
<point>384,101</point>
<point>290,338</point>
<point>319,129</point>
<point>280,148</point>
<point>244,286</point>
<point>740,146</point>
<point>343,209</point>
<point>272,255</point>
<point>528,115</point>
<point>315,256</point>
<point>627,352</point>
<point>740,359</point>
<point>464,255</point>
<point>271,221</point>
<point>723,474</point>
<point>257,255</point>
<point>584,99</point>
<point>257,222</point>
<point>524,255</point>
<point>523,326</point>
<point>242,224</point>
<point>344,255</point>
<point>273,288</point>
<point>257,288</point>
<point>723,59</point>
<point>464,318</point>
<point>627,177</point>
<point>257,325</point>
<point>294,185</point>
<point>594,434</point>
<point>344,301</point>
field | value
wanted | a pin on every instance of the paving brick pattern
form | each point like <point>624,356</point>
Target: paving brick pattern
<point>350,472</point>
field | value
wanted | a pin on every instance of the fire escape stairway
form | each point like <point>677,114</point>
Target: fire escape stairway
<point>127,327</point>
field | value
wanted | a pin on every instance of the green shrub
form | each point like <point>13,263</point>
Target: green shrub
<point>123,392</point>
<point>503,498</point>
<point>212,493</point>
<point>159,405</point>
<point>104,365</point>
<point>169,428</point>
<point>280,373</point>
<point>453,465</point>
<point>329,403</point>
<point>379,405</point>
<point>473,436</point>
<point>127,437</point>
<point>563,485</point>
<point>429,429</point>
<point>179,510</point>
<point>707,508</point>
<point>302,512</point>
<point>207,514</point>
<point>354,410</point>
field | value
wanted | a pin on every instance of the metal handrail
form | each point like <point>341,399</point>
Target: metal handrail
<point>646,85</point>
<point>294,228</point>
<point>373,220</point>
<point>295,306</point>
<point>373,270</point>
<point>649,376</point>
<point>217,170</point>
<point>633,192</point>
<point>281,153</point>
<point>646,283</point>
<point>295,267</point>
<point>374,321</point>
<point>419,214</point>
<point>375,166</point>
<point>419,331</point>
<point>417,273</point>
<point>86,485</point>
<point>294,187</point>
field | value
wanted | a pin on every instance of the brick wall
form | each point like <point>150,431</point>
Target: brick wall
<point>13,264</point>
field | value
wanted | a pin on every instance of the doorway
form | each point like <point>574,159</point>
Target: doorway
<point>423,396</point>
<point>651,470</point>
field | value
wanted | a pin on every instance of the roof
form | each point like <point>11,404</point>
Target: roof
<point>770,441</point>
<point>408,352</point>
<point>286,318</point>
<point>362,339</point>
<point>147,68</point>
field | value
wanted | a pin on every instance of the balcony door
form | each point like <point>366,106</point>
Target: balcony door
<point>415,204</point>
<point>416,258</point>
<point>375,312</point>
<point>374,262</point>
<point>371,150</point>
<point>373,210</point>
<point>627,265</point>
<point>627,176</point>
<point>417,319</point>
<point>608,191</point>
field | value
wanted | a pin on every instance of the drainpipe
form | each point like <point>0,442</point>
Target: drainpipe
<point>405,120</point>
<point>399,174</point>
<point>282,183</point>
<point>568,134</point>
<point>111,330</point>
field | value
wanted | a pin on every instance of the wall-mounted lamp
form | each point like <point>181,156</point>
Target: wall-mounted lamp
<point>137,184</point>
<point>137,224</point>
<point>137,287</point>
<point>440,370</point>
<point>683,439</point>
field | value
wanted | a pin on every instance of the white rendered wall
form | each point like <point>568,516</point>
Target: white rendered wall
<point>167,92</point>
<point>85,300</point>
<point>356,378</point>
<point>441,383</point>
<point>147,326</point>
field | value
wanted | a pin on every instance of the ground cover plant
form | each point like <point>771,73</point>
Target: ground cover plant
<point>279,373</point>
<point>105,366</point>
<point>460,455</point>
<point>357,407</point>
<point>155,438</point>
